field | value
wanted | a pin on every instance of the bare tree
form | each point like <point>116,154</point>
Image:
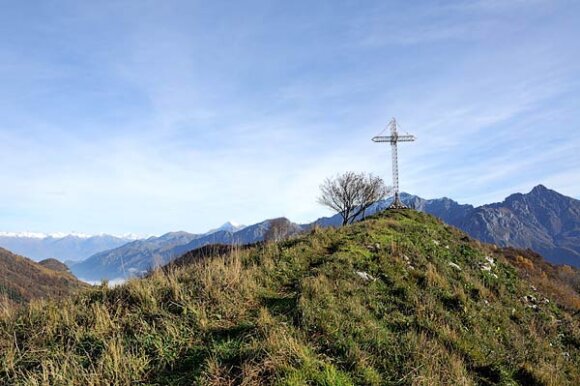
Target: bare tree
<point>351,194</point>
<point>279,229</point>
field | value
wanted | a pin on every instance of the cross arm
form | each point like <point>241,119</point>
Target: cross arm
<point>383,138</point>
<point>392,138</point>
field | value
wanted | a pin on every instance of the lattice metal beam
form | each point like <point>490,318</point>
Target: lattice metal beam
<point>393,139</point>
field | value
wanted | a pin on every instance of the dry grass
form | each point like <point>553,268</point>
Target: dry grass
<point>297,313</point>
<point>436,365</point>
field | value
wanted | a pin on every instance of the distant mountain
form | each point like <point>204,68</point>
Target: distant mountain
<point>228,227</point>
<point>248,235</point>
<point>445,208</point>
<point>76,246</point>
<point>542,220</point>
<point>23,280</point>
<point>73,247</point>
<point>131,258</point>
<point>139,256</point>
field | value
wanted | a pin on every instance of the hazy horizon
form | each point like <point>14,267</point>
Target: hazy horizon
<point>136,236</point>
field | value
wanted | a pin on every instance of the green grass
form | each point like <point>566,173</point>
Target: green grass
<point>299,313</point>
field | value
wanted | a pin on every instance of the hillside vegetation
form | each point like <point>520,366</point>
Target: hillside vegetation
<point>22,280</point>
<point>543,220</point>
<point>399,298</point>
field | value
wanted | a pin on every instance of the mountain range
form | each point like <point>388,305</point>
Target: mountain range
<point>139,256</point>
<point>74,246</point>
<point>542,220</point>
<point>71,247</point>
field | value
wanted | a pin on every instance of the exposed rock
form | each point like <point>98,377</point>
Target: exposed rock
<point>486,267</point>
<point>365,276</point>
<point>457,267</point>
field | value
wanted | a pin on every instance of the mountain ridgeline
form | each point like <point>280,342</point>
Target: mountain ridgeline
<point>137,257</point>
<point>64,248</point>
<point>542,220</point>
<point>399,298</point>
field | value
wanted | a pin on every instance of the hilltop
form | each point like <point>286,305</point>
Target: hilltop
<point>399,298</point>
<point>55,265</point>
<point>543,220</point>
<point>24,280</point>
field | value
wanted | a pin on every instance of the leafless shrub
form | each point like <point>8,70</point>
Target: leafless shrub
<point>351,194</point>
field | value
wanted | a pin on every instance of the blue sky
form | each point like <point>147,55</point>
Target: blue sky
<point>152,116</point>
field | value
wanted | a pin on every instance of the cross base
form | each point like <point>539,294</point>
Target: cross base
<point>397,203</point>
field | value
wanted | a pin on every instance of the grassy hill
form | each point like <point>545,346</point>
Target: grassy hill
<point>54,265</point>
<point>399,299</point>
<point>22,280</point>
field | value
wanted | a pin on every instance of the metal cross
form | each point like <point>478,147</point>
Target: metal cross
<point>393,139</point>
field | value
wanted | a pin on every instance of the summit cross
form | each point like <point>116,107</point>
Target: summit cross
<point>393,139</point>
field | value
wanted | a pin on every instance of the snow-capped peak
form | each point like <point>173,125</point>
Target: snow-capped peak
<point>230,226</point>
<point>132,236</point>
<point>61,235</point>
<point>28,235</point>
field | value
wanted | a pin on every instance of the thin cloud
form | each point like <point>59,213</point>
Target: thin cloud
<point>146,117</point>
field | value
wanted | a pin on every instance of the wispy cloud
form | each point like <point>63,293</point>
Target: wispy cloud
<point>147,117</point>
